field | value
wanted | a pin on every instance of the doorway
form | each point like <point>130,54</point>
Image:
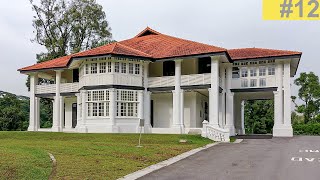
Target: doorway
<point>74,115</point>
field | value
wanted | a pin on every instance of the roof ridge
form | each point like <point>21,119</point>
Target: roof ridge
<point>119,43</point>
<point>145,30</point>
<point>194,41</point>
<point>264,49</point>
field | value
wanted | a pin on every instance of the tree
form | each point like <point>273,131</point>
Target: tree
<point>259,116</point>
<point>65,27</point>
<point>309,93</point>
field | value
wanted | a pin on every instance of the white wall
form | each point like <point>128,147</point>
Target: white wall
<point>200,108</point>
<point>162,110</point>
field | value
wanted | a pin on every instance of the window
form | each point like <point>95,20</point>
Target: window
<point>244,82</point>
<point>124,68</point>
<point>103,67</point>
<point>235,72</point>
<point>253,72</point>
<point>262,82</point>
<point>127,103</point>
<point>98,103</point>
<point>253,83</point>
<point>244,73</point>
<point>137,68</point>
<point>109,67</point>
<point>87,69</point>
<point>262,71</point>
<point>94,68</point>
<point>117,67</point>
<point>130,68</point>
<point>271,70</point>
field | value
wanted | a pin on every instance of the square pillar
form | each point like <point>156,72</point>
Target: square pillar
<point>243,131</point>
<point>62,123</point>
<point>56,127</point>
<point>146,99</point>
<point>229,101</point>
<point>33,104</point>
<point>82,126</point>
<point>78,109</point>
<point>214,93</point>
<point>222,113</point>
<point>176,97</point>
<point>113,109</point>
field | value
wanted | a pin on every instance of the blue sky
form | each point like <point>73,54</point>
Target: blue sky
<point>229,24</point>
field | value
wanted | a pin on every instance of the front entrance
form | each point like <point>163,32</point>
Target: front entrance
<point>74,115</point>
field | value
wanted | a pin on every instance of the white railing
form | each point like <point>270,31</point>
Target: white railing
<point>51,88</point>
<point>110,79</point>
<point>214,133</point>
<point>186,80</point>
<point>270,82</point>
<point>164,81</point>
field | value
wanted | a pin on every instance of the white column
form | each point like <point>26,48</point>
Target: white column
<point>113,109</point>
<point>222,117</point>
<point>37,114</point>
<point>242,117</point>
<point>287,95</point>
<point>82,126</point>
<point>229,102</point>
<point>78,110</point>
<point>176,97</point>
<point>32,116</point>
<point>141,104</point>
<point>278,98</point>
<point>56,123</point>
<point>147,99</point>
<point>61,113</point>
<point>214,93</point>
<point>182,112</point>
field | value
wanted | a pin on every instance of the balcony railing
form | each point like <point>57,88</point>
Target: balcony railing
<point>186,80</point>
<point>260,82</point>
<point>51,88</point>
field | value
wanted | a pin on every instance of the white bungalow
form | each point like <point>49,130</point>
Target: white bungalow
<point>175,85</point>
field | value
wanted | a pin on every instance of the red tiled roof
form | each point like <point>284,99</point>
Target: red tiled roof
<point>148,44</point>
<point>252,53</point>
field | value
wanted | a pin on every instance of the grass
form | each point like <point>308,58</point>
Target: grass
<point>24,155</point>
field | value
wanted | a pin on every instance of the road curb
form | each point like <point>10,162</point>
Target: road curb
<point>237,141</point>
<point>149,169</point>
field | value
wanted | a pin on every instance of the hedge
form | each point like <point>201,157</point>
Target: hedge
<point>306,129</point>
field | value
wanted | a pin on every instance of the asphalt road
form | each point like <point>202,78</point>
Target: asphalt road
<point>253,159</point>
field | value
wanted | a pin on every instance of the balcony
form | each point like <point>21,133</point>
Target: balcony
<point>111,79</point>
<point>260,82</point>
<point>186,80</point>
<point>51,88</point>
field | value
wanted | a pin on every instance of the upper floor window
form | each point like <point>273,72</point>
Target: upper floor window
<point>109,67</point>
<point>253,72</point>
<point>116,67</point>
<point>271,70</point>
<point>262,71</point>
<point>103,67</point>
<point>262,82</point>
<point>131,68</point>
<point>235,72</point>
<point>87,68</point>
<point>253,83</point>
<point>244,73</point>
<point>137,69</point>
<point>94,68</point>
<point>244,82</point>
<point>124,68</point>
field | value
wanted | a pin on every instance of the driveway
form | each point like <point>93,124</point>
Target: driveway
<point>257,159</point>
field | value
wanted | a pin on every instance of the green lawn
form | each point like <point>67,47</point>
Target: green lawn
<point>24,155</point>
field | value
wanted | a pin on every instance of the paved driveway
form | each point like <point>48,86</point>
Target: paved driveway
<point>262,159</point>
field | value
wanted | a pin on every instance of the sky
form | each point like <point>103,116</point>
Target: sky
<point>229,24</point>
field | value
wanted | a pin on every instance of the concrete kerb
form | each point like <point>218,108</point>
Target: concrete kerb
<point>165,163</point>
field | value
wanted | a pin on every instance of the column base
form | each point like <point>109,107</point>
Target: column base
<point>232,130</point>
<point>115,129</point>
<point>179,128</point>
<point>32,129</point>
<point>56,129</point>
<point>82,129</point>
<point>282,131</point>
<point>148,129</point>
